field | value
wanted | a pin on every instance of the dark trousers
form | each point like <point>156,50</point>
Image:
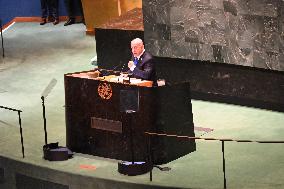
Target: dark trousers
<point>70,7</point>
<point>49,8</point>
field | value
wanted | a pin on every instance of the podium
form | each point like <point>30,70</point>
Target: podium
<point>96,125</point>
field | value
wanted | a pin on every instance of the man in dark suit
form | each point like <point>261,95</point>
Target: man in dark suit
<point>50,7</point>
<point>142,64</point>
<point>70,7</point>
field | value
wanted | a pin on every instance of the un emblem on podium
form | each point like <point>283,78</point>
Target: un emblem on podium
<point>105,91</point>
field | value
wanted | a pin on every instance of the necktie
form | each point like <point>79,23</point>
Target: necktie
<point>135,61</point>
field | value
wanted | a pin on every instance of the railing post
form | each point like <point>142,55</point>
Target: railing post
<point>2,40</point>
<point>21,132</point>
<point>224,165</point>
<point>150,156</point>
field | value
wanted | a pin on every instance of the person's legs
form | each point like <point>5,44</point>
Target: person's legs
<point>81,11</point>
<point>54,11</point>
<point>43,4</point>
<point>69,4</point>
<point>50,17</point>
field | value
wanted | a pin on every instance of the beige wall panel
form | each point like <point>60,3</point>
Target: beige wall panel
<point>127,5</point>
<point>97,12</point>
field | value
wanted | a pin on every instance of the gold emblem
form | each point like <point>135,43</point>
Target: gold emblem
<point>105,91</point>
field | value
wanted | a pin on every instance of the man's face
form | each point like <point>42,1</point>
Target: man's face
<point>137,49</point>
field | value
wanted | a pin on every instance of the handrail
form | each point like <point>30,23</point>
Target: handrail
<point>7,108</point>
<point>204,138</point>
<point>20,123</point>
<point>223,140</point>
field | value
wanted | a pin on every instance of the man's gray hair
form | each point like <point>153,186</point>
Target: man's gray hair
<point>137,41</point>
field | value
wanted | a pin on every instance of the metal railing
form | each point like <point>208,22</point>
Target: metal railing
<point>150,134</point>
<point>20,123</point>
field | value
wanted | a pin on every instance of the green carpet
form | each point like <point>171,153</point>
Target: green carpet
<point>36,54</point>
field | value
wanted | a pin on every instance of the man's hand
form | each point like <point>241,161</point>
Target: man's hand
<point>130,64</point>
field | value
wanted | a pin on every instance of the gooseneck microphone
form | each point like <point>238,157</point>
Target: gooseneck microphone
<point>115,67</point>
<point>106,72</point>
<point>121,70</point>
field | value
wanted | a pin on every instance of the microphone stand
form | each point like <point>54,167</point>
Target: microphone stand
<point>131,135</point>
<point>132,168</point>
<point>3,55</point>
<point>44,120</point>
<point>52,151</point>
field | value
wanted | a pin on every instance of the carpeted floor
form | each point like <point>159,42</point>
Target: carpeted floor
<point>36,54</point>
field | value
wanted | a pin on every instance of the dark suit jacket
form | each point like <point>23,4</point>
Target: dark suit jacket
<point>145,69</point>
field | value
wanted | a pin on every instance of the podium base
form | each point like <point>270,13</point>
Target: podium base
<point>132,169</point>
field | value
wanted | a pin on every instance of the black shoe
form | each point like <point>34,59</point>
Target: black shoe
<point>56,21</point>
<point>43,21</point>
<point>50,19</point>
<point>69,22</point>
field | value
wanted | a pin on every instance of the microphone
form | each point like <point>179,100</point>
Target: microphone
<point>123,67</point>
<point>106,72</point>
<point>117,65</point>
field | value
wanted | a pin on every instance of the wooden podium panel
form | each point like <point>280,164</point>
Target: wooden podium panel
<point>127,5</point>
<point>98,12</point>
<point>100,127</point>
